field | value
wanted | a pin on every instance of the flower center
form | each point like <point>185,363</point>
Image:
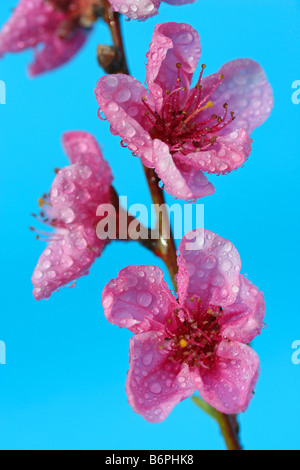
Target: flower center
<point>192,335</point>
<point>182,127</point>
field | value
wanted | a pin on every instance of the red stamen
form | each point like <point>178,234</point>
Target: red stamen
<point>194,337</point>
<point>181,128</point>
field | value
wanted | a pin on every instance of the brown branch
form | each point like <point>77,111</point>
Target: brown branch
<point>166,248</point>
<point>112,19</point>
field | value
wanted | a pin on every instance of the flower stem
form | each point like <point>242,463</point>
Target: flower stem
<point>165,248</point>
<point>228,431</point>
<point>228,424</point>
<point>113,21</point>
<point>124,220</point>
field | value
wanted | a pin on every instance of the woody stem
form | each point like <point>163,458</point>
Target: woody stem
<point>165,248</point>
<point>113,21</point>
<point>125,219</point>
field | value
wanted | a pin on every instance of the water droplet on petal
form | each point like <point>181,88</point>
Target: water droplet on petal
<point>155,388</point>
<point>147,359</point>
<point>144,299</point>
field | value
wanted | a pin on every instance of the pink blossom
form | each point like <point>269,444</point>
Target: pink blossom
<point>54,24</point>
<point>180,130</point>
<point>76,193</point>
<point>142,9</point>
<point>197,342</point>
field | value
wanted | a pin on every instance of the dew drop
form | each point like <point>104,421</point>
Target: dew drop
<point>147,359</point>
<point>155,388</point>
<point>144,299</point>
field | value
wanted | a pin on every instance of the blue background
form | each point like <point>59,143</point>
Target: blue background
<point>63,385</point>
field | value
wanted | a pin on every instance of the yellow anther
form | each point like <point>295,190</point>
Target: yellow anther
<point>183,343</point>
<point>41,202</point>
<point>208,105</point>
<point>198,110</point>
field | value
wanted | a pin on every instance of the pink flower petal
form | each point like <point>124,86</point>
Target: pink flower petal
<point>213,265</point>
<point>229,386</point>
<point>120,99</point>
<point>172,43</point>
<point>243,320</point>
<point>180,180</point>
<point>136,9</point>
<point>65,260</point>
<point>154,384</point>
<point>82,148</point>
<point>30,23</point>
<point>56,52</point>
<point>80,188</point>
<point>137,298</point>
<point>229,153</point>
<point>246,90</point>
